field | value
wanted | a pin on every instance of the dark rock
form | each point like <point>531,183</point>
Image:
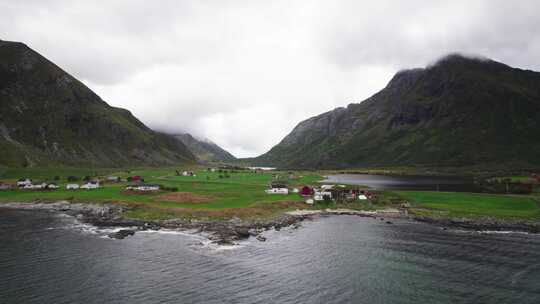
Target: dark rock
<point>242,232</point>
<point>261,238</point>
<point>224,242</point>
<point>121,234</point>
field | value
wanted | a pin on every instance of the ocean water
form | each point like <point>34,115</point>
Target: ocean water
<point>49,258</point>
<point>406,182</point>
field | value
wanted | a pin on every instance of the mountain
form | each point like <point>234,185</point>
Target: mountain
<point>205,150</point>
<point>457,112</point>
<point>47,117</point>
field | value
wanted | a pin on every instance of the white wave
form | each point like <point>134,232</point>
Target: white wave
<point>505,232</point>
<point>493,232</point>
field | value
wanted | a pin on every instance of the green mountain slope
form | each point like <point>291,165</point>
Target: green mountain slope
<point>205,150</point>
<point>457,112</point>
<point>47,117</point>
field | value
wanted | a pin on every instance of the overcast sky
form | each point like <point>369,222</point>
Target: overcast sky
<point>244,73</point>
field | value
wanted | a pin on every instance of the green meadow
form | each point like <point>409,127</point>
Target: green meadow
<point>241,193</point>
<point>212,193</point>
<point>457,204</point>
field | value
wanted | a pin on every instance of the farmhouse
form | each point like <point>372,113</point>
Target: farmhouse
<point>113,179</point>
<point>143,188</point>
<point>24,182</point>
<point>188,173</point>
<point>52,186</point>
<point>277,191</point>
<point>35,186</point>
<point>319,195</point>
<point>307,191</point>
<point>277,188</point>
<point>135,179</point>
<point>90,185</point>
<point>6,186</point>
<point>72,186</point>
<point>327,187</point>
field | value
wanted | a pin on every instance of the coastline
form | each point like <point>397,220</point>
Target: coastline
<point>223,232</point>
<point>227,232</point>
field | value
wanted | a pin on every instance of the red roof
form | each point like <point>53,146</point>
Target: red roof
<point>306,190</point>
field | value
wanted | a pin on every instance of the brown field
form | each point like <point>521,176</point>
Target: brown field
<point>184,197</point>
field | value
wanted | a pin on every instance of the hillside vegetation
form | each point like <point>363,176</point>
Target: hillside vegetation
<point>458,112</point>
<point>49,118</point>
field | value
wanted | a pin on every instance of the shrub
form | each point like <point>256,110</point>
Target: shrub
<point>168,188</point>
<point>327,199</point>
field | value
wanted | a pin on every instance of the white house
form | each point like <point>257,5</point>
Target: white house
<point>113,179</point>
<point>24,182</point>
<point>362,197</point>
<point>52,186</point>
<point>36,186</point>
<point>72,186</point>
<point>90,185</point>
<point>319,195</point>
<point>146,187</point>
<point>277,191</point>
<point>5,186</point>
<point>327,187</point>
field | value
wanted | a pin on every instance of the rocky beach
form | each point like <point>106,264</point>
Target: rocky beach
<point>226,232</point>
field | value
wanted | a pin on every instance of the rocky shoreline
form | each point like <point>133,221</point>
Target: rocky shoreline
<point>110,215</point>
<point>236,229</point>
<point>483,224</point>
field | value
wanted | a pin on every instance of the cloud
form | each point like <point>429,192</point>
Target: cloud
<point>244,73</point>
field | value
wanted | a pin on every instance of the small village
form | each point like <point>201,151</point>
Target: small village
<point>280,185</point>
<point>136,184</point>
<point>312,194</point>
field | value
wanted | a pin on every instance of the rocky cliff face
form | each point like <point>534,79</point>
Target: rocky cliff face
<point>47,117</point>
<point>458,112</point>
<point>205,150</point>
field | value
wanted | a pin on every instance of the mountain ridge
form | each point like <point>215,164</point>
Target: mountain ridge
<point>429,116</point>
<point>48,117</point>
<point>204,149</point>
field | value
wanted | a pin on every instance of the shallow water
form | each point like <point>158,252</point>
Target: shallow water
<point>46,258</point>
<point>403,182</point>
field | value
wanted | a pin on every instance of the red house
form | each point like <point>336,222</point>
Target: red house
<point>136,178</point>
<point>307,191</point>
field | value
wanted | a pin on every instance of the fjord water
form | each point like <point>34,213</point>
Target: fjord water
<point>47,258</point>
<point>406,182</point>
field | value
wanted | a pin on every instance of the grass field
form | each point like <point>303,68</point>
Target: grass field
<point>457,204</point>
<point>241,189</point>
<point>241,193</point>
